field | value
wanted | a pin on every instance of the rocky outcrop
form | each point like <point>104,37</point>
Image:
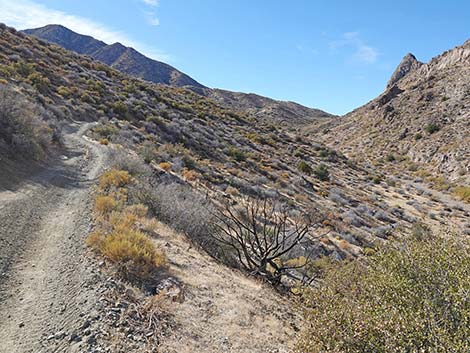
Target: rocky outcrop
<point>407,65</point>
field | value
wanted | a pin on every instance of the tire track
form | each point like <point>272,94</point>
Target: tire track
<point>47,286</point>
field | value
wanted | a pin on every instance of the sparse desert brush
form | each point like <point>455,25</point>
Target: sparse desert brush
<point>305,168</point>
<point>105,205</point>
<point>166,166</point>
<point>95,240</point>
<point>122,220</point>
<point>463,192</point>
<point>190,175</point>
<point>138,210</point>
<point>23,130</point>
<point>237,154</point>
<point>104,142</point>
<point>133,252</point>
<point>408,296</point>
<point>115,178</point>
<point>321,172</point>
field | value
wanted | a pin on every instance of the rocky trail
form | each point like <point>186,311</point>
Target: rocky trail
<point>47,283</point>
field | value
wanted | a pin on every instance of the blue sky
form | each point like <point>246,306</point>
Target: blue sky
<point>334,55</point>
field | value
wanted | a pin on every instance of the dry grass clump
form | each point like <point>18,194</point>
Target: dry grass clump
<point>118,237</point>
<point>105,204</point>
<point>114,178</point>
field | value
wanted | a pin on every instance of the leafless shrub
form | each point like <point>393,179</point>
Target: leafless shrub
<point>262,233</point>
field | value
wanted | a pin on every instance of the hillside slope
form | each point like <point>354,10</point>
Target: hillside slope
<point>131,62</point>
<point>281,113</point>
<point>420,121</point>
<point>116,55</point>
<point>220,152</point>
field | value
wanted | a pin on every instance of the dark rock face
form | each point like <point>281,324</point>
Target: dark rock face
<point>124,59</point>
<point>408,64</point>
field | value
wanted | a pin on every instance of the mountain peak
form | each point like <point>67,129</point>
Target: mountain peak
<point>116,55</point>
<point>408,63</point>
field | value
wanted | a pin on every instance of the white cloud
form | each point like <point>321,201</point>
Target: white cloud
<point>362,51</point>
<point>150,2</point>
<point>23,14</point>
<point>152,20</point>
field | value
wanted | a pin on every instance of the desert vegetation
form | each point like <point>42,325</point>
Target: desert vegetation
<point>24,131</point>
<point>118,236</point>
<point>408,296</point>
<point>262,233</point>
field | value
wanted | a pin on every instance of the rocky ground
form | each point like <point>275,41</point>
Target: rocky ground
<point>57,296</point>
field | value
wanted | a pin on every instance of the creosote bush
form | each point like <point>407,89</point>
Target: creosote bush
<point>410,296</point>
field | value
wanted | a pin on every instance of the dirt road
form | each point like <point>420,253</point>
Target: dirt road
<point>46,282</point>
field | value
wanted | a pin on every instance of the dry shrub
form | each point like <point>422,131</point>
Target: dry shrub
<point>166,166</point>
<point>23,130</point>
<point>95,240</point>
<point>104,142</point>
<point>115,178</point>
<point>105,205</point>
<point>190,175</point>
<point>120,159</point>
<point>131,250</point>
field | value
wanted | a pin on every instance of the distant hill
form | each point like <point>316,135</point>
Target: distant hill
<point>131,62</point>
<point>421,118</point>
<point>124,59</point>
<point>288,114</point>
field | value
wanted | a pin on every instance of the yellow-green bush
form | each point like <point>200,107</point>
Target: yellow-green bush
<point>115,178</point>
<point>463,192</point>
<point>412,296</point>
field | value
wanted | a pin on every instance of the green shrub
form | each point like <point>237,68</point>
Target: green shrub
<point>410,296</point>
<point>64,92</point>
<point>463,192</point>
<point>120,108</point>
<point>418,136</point>
<point>237,154</point>
<point>305,168</point>
<point>40,82</point>
<point>377,179</point>
<point>431,128</point>
<point>321,172</point>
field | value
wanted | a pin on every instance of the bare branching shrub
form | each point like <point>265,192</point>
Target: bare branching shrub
<point>22,129</point>
<point>262,233</point>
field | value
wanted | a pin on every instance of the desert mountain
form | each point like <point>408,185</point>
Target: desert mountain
<point>420,122</point>
<point>148,169</point>
<point>131,62</point>
<point>116,55</point>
